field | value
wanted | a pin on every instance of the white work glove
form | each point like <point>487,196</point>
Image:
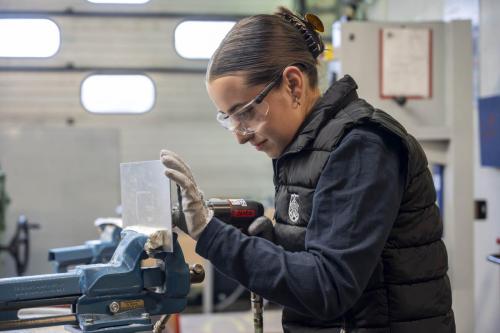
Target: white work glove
<point>196,212</point>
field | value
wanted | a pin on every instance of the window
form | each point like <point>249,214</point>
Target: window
<point>135,2</point>
<point>200,39</point>
<point>115,94</point>
<point>34,38</point>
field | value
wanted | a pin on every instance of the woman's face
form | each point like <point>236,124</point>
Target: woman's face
<point>281,123</point>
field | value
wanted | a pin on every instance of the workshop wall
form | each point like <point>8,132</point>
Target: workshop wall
<point>62,162</point>
<point>61,178</point>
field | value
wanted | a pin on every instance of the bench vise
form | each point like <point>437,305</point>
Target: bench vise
<point>93,251</point>
<point>118,296</point>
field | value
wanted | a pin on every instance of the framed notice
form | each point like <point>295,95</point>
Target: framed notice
<point>405,63</point>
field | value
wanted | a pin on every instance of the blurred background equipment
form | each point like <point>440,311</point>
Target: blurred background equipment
<point>93,251</point>
<point>495,258</point>
<point>19,245</point>
<point>4,200</point>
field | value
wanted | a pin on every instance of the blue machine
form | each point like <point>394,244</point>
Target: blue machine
<point>93,251</point>
<point>119,296</point>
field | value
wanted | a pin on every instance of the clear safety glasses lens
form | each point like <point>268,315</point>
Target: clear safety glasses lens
<point>245,120</point>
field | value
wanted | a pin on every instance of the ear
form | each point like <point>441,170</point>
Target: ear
<point>294,81</point>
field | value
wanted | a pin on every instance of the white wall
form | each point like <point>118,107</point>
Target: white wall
<point>61,178</point>
<point>406,10</point>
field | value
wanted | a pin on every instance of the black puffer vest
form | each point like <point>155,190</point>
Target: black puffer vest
<point>409,290</point>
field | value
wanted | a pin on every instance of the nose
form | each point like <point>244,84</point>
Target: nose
<point>242,138</point>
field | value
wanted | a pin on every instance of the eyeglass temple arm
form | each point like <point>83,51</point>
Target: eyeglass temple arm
<point>267,89</point>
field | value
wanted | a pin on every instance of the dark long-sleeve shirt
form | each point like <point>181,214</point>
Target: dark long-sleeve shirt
<point>355,204</point>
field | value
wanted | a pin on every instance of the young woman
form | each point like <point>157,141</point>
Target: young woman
<point>357,235</point>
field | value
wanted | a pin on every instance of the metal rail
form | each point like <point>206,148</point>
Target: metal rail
<point>38,322</point>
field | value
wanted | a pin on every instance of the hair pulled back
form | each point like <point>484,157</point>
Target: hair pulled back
<point>261,46</point>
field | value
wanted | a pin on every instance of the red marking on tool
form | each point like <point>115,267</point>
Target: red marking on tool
<point>243,213</point>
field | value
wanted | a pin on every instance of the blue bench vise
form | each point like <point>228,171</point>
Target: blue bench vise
<point>118,296</point>
<point>93,251</point>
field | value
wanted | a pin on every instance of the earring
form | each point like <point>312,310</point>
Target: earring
<point>296,102</point>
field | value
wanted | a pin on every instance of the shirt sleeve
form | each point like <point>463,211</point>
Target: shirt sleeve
<point>355,204</point>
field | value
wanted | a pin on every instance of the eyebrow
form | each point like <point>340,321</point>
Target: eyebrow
<point>234,107</point>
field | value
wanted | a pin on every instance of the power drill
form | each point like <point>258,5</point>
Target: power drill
<point>239,213</point>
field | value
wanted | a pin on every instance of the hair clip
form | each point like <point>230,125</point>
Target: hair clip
<point>308,26</point>
<point>315,22</point>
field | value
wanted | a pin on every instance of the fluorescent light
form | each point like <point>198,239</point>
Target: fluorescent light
<point>118,94</point>
<point>200,39</point>
<point>37,38</point>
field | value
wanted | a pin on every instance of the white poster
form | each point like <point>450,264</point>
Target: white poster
<point>406,64</point>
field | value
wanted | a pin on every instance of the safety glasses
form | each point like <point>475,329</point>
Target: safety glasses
<point>247,119</point>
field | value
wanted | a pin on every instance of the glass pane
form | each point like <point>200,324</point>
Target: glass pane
<point>118,93</point>
<point>200,39</point>
<point>145,193</point>
<point>38,38</point>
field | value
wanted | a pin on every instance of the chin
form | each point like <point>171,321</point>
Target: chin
<point>272,154</point>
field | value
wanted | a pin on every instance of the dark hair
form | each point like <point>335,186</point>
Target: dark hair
<point>261,46</point>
